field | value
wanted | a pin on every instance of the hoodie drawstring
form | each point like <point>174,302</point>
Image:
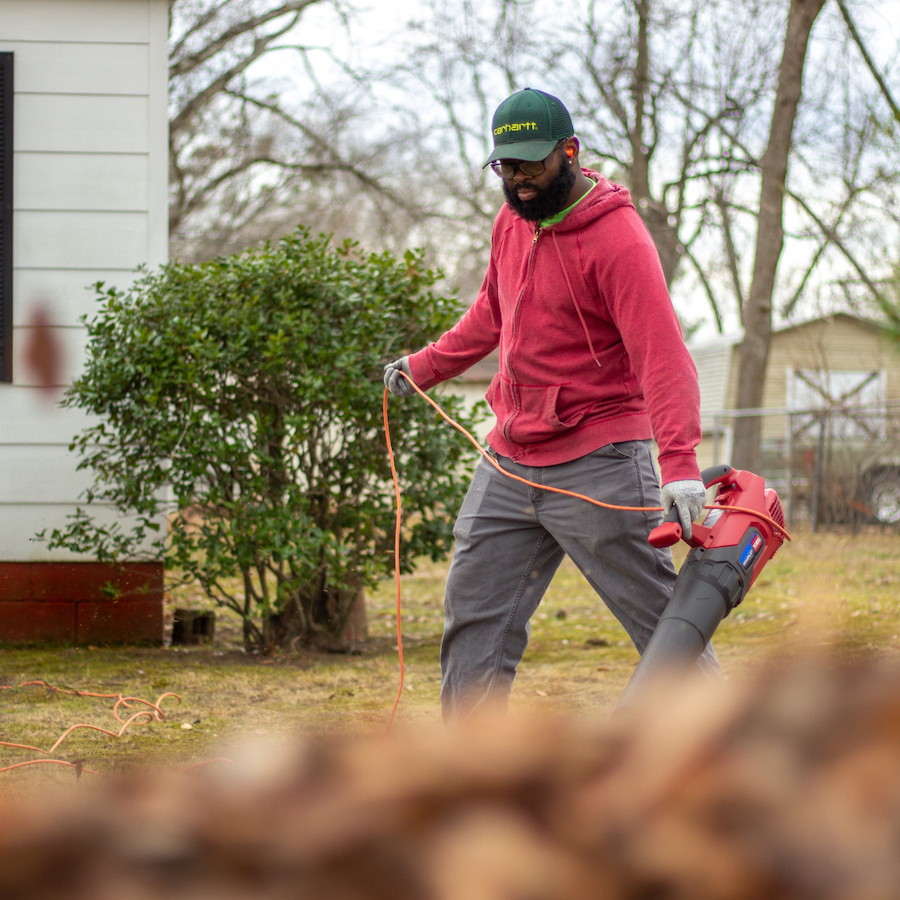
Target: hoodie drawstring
<point>575,301</point>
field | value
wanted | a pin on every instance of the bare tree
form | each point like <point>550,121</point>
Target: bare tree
<point>454,61</point>
<point>671,97</point>
<point>770,233</point>
<point>852,226</point>
<point>667,90</point>
<point>246,155</point>
<point>661,92</point>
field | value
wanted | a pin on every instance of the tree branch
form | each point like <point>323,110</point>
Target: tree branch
<point>336,163</point>
<point>730,250</point>
<point>190,63</point>
<point>832,235</point>
<point>708,288</point>
<point>218,84</point>
<point>857,39</point>
<point>204,19</point>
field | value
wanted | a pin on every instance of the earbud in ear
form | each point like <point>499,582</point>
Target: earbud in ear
<point>570,152</point>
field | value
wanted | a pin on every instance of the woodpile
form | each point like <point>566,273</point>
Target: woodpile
<point>786,787</point>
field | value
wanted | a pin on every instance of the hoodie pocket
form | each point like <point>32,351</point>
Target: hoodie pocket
<point>528,413</point>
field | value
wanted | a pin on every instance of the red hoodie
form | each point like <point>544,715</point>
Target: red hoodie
<point>591,351</point>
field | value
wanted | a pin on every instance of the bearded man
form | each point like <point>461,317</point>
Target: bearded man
<point>593,367</point>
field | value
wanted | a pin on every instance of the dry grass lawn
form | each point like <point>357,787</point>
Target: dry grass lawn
<point>834,592</point>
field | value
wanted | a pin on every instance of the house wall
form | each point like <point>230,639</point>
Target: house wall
<point>90,204</point>
<point>712,360</point>
<point>837,343</point>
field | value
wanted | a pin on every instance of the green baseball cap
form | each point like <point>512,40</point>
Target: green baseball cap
<point>528,125</point>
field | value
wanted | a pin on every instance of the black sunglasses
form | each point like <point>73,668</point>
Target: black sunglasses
<point>506,168</point>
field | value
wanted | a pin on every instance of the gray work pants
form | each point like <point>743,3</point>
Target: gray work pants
<point>510,540</point>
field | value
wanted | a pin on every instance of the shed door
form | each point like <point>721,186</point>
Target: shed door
<point>854,401</point>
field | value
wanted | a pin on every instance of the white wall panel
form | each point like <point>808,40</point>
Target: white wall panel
<point>41,475</point>
<point>79,240</point>
<point>78,68</point>
<point>91,204</point>
<point>20,524</point>
<point>30,416</point>
<point>81,124</point>
<point>71,343</point>
<point>159,133</point>
<point>80,181</point>
<point>74,20</point>
<point>65,294</point>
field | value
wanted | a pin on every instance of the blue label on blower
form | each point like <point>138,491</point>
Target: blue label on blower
<point>751,551</point>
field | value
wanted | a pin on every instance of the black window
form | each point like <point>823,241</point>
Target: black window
<point>6,214</point>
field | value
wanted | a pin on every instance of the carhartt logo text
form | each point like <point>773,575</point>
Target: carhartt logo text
<point>516,126</point>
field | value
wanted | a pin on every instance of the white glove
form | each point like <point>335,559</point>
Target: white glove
<point>394,381</point>
<point>688,497</point>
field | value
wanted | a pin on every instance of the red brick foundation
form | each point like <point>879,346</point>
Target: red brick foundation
<point>81,603</point>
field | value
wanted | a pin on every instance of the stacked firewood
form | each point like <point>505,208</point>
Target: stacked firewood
<point>786,787</point>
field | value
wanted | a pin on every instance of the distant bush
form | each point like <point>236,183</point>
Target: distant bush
<point>242,397</point>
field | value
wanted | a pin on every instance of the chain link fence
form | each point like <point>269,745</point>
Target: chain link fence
<point>835,466</point>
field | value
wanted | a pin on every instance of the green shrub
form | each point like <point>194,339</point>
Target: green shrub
<point>242,397</point>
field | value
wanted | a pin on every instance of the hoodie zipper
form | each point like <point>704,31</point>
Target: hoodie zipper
<point>505,430</point>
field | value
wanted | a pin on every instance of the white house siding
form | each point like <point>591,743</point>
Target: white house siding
<point>90,204</point>
<point>712,359</point>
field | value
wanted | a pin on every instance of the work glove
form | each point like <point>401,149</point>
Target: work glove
<point>688,497</point>
<point>394,381</point>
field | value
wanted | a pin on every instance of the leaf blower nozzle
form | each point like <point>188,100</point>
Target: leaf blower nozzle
<point>729,550</point>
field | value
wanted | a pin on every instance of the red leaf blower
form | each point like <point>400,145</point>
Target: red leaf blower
<point>729,551</point>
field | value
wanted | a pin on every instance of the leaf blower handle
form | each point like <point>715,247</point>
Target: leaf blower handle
<point>667,534</point>
<point>670,532</point>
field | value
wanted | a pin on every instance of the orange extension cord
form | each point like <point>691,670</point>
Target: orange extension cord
<point>148,715</point>
<point>499,468</point>
<point>153,710</point>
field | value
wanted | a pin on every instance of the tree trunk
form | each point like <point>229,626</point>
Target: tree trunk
<point>770,234</point>
<point>654,213</point>
<point>334,620</point>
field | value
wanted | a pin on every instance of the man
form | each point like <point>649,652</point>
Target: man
<point>592,367</point>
